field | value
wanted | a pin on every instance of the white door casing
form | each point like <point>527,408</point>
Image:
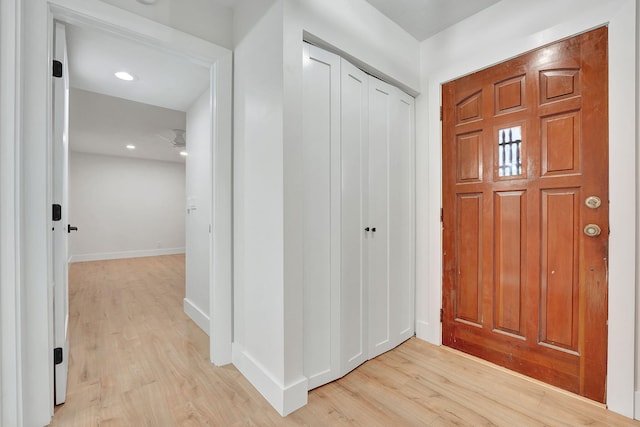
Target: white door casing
<point>10,290</point>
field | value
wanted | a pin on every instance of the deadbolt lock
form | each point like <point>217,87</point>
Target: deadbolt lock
<point>592,230</point>
<point>593,202</point>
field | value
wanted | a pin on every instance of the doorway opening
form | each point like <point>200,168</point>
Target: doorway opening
<point>216,98</point>
<point>129,174</point>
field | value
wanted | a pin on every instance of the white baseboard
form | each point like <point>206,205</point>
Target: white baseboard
<point>284,399</point>
<point>198,316</point>
<point>637,406</point>
<point>425,331</point>
<point>125,254</point>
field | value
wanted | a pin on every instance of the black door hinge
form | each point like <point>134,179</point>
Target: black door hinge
<point>57,68</point>
<point>441,113</point>
<point>441,214</point>
<point>441,314</point>
<point>57,213</point>
<point>57,355</point>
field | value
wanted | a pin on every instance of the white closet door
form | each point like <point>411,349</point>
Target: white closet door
<point>401,219</point>
<point>358,220</point>
<point>353,307</point>
<point>379,288</point>
<point>390,246</point>
<point>321,203</point>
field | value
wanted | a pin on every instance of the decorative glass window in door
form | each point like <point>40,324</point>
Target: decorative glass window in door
<point>510,151</point>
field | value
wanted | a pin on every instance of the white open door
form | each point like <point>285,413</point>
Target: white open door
<point>61,228</point>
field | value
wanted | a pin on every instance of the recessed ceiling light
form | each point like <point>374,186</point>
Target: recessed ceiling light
<point>131,147</point>
<point>123,75</point>
<point>184,153</point>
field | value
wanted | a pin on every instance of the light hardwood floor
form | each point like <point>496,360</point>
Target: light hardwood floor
<point>137,360</point>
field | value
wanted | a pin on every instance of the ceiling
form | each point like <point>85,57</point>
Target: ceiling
<point>169,84</point>
<point>106,113</point>
<point>163,79</point>
<point>424,18</point>
<point>103,124</point>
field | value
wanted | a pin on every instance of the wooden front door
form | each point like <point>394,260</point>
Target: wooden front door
<point>525,192</point>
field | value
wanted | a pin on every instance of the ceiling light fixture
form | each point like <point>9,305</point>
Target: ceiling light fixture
<point>131,147</point>
<point>123,75</point>
<point>184,154</point>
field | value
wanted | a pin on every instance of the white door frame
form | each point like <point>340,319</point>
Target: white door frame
<point>29,288</point>
<point>10,286</point>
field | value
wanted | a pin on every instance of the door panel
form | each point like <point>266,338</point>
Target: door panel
<point>524,145</point>
<point>558,271</point>
<point>510,247</point>
<point>401,217</point>
<point>355,135</point>
<point>469,282</point>
<point>379,286</point>
<point>390,242</point>
<point>60,174</point>
<point>321,224</point>
<point>469,167</point>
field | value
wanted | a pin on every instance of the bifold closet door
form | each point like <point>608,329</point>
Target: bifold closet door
<point>358,232</point>
<point>390,216</point>
<point>354,138</point>
<point>321,215</point>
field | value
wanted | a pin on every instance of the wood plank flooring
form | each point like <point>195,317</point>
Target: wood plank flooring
<point>137,360</point>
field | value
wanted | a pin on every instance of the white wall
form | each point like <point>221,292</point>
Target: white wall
<point>198,208</point>
<point>125,207</point>
<point>505,30</point>
<point>268,341</point>
<point>246,15</point>
<point>208,20</point>
<point>259,324</point>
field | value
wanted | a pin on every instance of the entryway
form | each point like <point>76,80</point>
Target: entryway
<point>525,214</point>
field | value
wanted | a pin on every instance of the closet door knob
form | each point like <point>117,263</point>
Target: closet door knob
<point>373,229</point>
<point>366,229</point>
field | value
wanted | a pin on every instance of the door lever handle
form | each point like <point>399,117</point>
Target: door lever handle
<point>70,228</point>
